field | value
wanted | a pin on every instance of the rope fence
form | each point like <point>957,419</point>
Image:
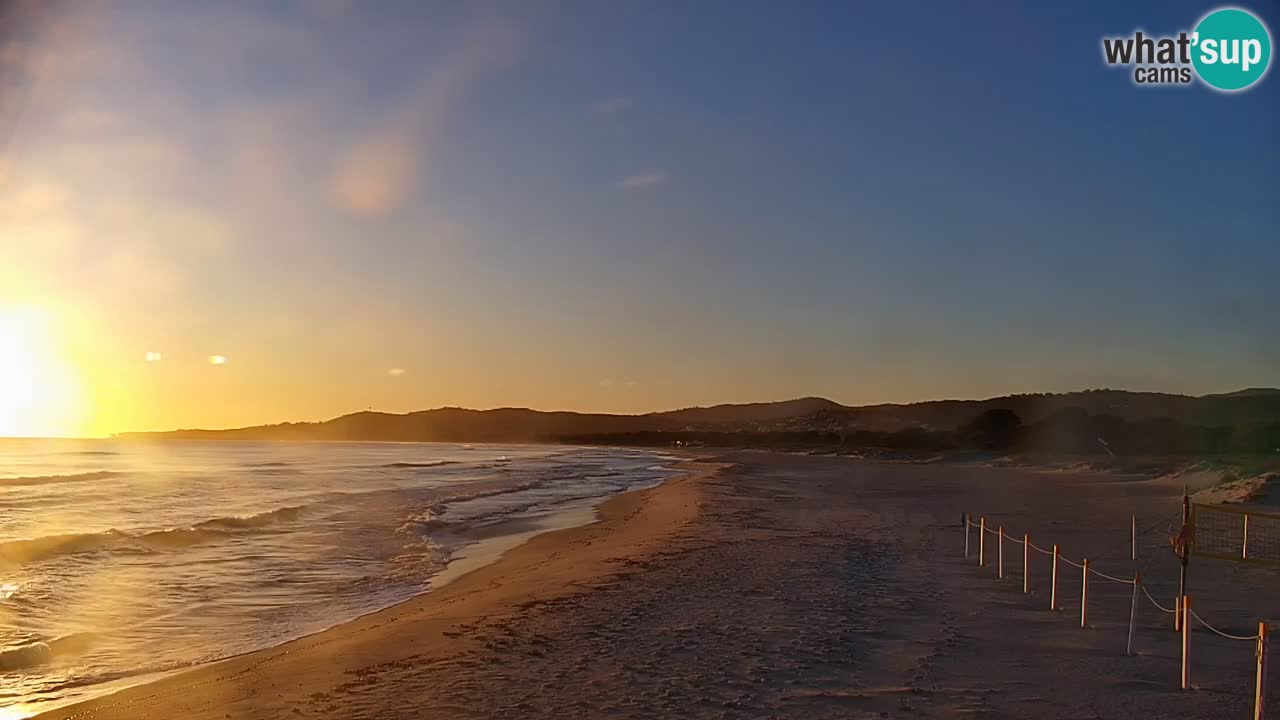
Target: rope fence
<point>1228,636</point>
<point>1112,578</point>
<point>1159,607</point>
<point>1182,612</point>
<point>1072,564</point>
<point>1039,549</point>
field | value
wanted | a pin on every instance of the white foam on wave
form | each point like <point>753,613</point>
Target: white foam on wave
<point>54,479</point>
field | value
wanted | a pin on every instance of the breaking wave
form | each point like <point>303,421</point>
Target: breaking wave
<point>19,552</point>
<point>53,479</point>
<point>436,463</point>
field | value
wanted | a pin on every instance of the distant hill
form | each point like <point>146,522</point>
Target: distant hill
<point>1248,392</point>
<point>807,415</point>
<point>1245,406</point>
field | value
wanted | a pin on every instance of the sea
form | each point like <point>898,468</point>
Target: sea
<point>123,561</point>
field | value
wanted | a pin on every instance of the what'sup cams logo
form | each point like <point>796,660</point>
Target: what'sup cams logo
<point>1229,50</point>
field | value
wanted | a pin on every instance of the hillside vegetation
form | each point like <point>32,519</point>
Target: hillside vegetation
<point>1094,422</point>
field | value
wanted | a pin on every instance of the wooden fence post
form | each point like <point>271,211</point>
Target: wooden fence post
<point>1133,610</point>
<point>1084,595</point>
<point>1260,689</point>
<point>1053,588</point>
<point>1186,640</point>
<point>982,541</point>
<point>1133,537</point>
<point>1000,555</point>
<point>1244,546</point>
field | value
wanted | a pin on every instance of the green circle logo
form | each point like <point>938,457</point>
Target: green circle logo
<point>1231,49</point>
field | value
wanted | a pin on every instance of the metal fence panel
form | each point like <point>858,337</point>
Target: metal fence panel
<point>1231,533</point>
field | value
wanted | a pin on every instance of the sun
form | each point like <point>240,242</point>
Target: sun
<point>38,389</point>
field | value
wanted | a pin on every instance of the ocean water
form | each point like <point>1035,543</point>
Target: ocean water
<point>119,561</point>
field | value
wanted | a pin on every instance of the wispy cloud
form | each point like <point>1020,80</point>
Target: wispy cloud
<point>396,372</point>
<point>643,180</point>
<point>607,382</point>
<point>378,173</point>
<point>612,105</point>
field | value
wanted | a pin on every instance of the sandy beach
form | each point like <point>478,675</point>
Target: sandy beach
<point>758,586</point>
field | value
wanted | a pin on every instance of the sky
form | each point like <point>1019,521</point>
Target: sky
<point>614,206</point>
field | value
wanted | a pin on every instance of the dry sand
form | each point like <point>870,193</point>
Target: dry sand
<point>762,586</point>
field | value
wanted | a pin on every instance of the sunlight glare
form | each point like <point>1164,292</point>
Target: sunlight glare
<point>38,390</point>
<point>19,711</point>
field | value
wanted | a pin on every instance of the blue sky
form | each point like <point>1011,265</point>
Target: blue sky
<point>629,206</point>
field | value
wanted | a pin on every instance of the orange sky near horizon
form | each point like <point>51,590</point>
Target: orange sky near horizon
<point>59,377</point>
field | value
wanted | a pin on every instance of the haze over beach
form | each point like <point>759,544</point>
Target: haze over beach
<point>483,358</point>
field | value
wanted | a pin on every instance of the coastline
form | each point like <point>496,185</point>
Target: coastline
<point>789,586</point>
<point>533,567</point>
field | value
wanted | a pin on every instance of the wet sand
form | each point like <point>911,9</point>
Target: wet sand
<point>762,586</point>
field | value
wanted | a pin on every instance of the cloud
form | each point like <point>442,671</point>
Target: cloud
<point>396,372</point>
<point>617,104</point>
<point>63,50</point>
<point>607,382</point>
<point>379,171</point>
<point>259,149</point>
<point>643,180</point>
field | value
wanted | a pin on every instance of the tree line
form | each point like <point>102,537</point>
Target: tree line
<point>1071,431</point>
